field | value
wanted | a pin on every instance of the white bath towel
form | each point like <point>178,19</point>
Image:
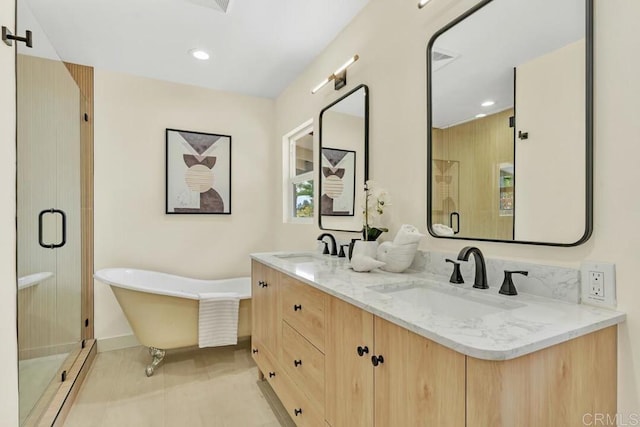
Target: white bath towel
<point>218,319</point>
<point>407,235</point>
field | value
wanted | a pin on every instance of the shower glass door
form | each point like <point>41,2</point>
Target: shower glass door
<point>48,217</point>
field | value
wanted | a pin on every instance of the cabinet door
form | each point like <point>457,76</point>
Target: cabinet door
<point>265,319</point>
<point>348,376</point>
<point>419,383</point>
<point>568,384</point>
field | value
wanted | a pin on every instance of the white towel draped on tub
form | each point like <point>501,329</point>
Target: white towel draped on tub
<point>218,319</point>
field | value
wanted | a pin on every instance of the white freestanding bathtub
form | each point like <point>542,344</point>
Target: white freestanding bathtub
<point>162,309</point>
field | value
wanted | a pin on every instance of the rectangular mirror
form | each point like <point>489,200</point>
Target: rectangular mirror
<point>344,161</point>
<point>510,123</point>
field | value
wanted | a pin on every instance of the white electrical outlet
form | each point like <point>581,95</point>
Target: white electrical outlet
<point>598,283</point>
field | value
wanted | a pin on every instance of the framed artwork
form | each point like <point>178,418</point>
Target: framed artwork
<point>198,173</point>
<point>338,182</point>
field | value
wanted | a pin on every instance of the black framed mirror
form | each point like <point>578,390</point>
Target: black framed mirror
<point>510,123</point>
<point>344,161</point>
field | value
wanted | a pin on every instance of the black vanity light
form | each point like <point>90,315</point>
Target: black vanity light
<point>339,76</point>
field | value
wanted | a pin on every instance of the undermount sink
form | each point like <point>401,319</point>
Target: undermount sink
<point>297,258</point>
<point>456,303</point>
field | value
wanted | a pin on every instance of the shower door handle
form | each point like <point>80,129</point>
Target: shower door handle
<point>457,215</point>
<point>64,228</point>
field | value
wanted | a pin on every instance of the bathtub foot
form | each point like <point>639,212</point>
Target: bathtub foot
<point>157,355</point>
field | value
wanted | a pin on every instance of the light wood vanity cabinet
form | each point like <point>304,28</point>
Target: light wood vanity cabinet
<point>265,318</point>
<point>416,382</point>
<point>315,350</point>
<point>288,342</point>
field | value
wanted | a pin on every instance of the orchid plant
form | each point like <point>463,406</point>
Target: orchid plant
<point>375,203</point>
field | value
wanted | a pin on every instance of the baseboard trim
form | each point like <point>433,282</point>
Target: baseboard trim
<point>117,343</point>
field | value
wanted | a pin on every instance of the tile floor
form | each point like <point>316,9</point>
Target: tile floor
<point>200,387</point>
<point>35,376</point>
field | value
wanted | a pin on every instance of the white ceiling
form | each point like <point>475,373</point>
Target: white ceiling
<point>498,37</point>
<point>257,48</point>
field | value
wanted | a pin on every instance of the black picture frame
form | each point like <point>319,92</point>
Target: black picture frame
<point>197,173</point>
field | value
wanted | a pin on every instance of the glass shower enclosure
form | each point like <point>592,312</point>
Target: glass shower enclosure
<point>48,218</point>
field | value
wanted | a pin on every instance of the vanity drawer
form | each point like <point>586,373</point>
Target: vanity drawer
<point>303,308</point>
<point>303,363</point>
<point>298,405</point>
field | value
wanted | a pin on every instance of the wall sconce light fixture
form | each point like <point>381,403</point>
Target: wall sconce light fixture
<point>422,3</point>
<point>339,76</point>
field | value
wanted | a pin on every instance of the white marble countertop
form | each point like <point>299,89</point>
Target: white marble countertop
<point>478,323</point>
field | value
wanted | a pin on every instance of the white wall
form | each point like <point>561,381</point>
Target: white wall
<point>391,39</point>
<point>131,228</point>
<point>8,337</point>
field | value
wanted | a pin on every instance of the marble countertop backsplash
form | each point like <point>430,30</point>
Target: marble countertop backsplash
<point>544,313</point>
<point>547,281</point>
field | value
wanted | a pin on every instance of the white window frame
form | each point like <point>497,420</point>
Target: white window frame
<point>289,177</point>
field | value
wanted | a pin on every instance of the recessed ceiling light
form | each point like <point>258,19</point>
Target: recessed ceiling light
<point>487,103</point>
<point>481,115</point>
<point>422,3</point>
<point>199,54</point>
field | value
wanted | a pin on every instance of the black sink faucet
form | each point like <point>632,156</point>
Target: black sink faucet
<point>334,249</point>
<point>480,281</point>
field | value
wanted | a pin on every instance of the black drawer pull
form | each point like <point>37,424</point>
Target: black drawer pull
<point>272,374</point>
<point>297,307</point>
<point>297,363</point>
<point>362,350</point>
<point>297,411</point>
<point>254,351</point>
<point>376,360</point>
<point>261,283</point>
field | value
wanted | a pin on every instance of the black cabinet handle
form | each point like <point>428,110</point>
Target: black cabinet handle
<point>264,285</point>
<point>261,283</point>
<point>362,350</point>
<point>297,411</point>
<point>254,351</point>
<point>297,363</point>
<point>297,307</point>
<point>272,374</point>
<point>376,360</point>
<point>64,229</point>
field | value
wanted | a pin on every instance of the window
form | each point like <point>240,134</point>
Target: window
<point>298,173</point>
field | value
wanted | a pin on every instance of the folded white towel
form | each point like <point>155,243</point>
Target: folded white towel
<point>218,319</point>
<point>407,235</point>
<point>442,230</point>
<point>397,258</point>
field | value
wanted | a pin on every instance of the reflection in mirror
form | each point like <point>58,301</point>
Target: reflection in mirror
<point>510,123</point>
<point>344,162</point>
